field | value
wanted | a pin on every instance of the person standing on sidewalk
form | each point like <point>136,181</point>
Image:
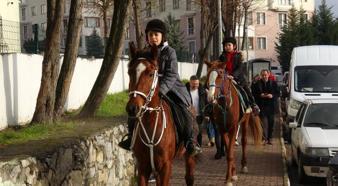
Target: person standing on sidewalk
<point>267,91</point>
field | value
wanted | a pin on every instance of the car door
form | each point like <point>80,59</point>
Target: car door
<point>296,132</point>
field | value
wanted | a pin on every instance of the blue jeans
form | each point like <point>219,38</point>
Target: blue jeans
<point>210,130</point>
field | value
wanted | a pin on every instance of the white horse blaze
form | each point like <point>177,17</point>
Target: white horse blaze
<point>212,81</point>
<point>139,69</point>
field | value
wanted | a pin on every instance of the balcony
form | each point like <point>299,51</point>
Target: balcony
<point>280,5</point>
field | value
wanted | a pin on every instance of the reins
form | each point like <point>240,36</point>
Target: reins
<point>149,142</point>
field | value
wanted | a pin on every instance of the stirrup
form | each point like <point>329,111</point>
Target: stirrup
<point>125,143</point>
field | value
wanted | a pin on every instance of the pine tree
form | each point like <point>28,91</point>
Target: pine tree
<point>94,45</point>
<point>324,25</point>
<point>175,38</point>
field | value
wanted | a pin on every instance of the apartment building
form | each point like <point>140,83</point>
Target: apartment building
<point>269,16</point>
<point>9,26</point>
<point>266,18</point>
<point>33,15</point>
<point>186,12</point>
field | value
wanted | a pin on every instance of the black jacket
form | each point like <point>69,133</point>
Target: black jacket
<point>237,67</point>
<point>269,87</point>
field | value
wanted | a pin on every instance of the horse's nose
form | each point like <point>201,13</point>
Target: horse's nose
<point>132,109</point>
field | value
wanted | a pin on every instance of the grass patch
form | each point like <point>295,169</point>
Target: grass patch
<point>34,132</point>
<point>113,105</point>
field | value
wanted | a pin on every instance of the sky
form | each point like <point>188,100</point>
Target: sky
<point>330,3</point>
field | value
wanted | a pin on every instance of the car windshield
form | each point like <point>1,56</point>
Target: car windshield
<point>316,79</point>
<point>323,115</point>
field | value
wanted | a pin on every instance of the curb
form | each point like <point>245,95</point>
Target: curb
<point>286,179</point>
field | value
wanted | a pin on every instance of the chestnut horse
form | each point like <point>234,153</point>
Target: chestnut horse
<point>227,116</point>
<point>154,141</point>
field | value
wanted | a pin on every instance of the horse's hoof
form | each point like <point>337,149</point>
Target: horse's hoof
<point>228,184</point>
<point>245,169</point>
<point>234,178</point>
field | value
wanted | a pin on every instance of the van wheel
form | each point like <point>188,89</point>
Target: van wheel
<point>302,177</point>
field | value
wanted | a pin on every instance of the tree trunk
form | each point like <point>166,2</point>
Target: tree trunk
<point>50,65</point>
<point>105,27</point>
<point>110,61</point>
<point>69,60</point>
<point>138,29</point>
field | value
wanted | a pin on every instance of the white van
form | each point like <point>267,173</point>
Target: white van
<point>313,74</point>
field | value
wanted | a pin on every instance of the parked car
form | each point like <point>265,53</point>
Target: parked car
<point>314,137</point>
<point>332,175</point>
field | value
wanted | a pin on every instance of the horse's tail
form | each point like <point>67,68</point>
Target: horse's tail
<point>255,125</point>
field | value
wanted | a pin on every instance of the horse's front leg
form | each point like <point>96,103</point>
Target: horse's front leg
<point>231,169</point>
<point>165,174</point>
<point>189,169</point>
<point>244,127</point>
<point>143,177</point>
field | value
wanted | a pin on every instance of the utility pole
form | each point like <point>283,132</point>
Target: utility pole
<point>219,11</point>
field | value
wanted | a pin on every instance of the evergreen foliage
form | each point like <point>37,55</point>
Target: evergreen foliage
<point>175,38</point>
<point>321,30</point>
<point>94,45</point>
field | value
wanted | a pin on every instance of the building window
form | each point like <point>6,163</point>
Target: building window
<point>33,11</point>
<point>188,4</point>
<point>43,9</point>
<point>192,48</point>
<point>127,36</point>
<point>176,4</point>
<point>65,25</point>
<point>148,9</point>
<point>249,18</point>
<point>282,19</point>
<point>162,5</point>
<point>250,43</point>
<point>190,26</point>
<point>285,2</point>
<point>260,18</point>
<point>92,22</point>
<point>44,27</point>
<point>23,14</point>
<point>25,32</point>
<point>261,43</point>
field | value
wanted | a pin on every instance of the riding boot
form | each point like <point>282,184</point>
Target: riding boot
<point>251,100</point>
<point>190,146</point>
<point>125,143</point>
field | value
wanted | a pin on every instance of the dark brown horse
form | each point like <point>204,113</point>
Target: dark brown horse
<point>154,140</point>
<point>227,115</point>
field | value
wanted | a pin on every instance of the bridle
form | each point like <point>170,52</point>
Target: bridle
<point>149,142</point>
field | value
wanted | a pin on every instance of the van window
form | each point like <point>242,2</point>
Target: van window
<point>324,115</point>
<point>316,78</point>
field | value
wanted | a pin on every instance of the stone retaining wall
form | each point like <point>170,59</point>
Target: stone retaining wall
<point>96,160</point>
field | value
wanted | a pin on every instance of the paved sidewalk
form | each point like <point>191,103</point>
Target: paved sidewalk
<point>265,166</point>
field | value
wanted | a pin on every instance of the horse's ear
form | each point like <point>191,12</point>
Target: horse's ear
<point>208,63</point>
<point>154,54</point>
<point>223,65</point>
<point>132,50</point>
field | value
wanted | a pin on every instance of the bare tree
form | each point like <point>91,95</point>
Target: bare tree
<point>69,60</point>
<point>50,65</point>
<point>102,7</point>
<point>208,27</point>
<point>138,28</point>
<point>110,61</point>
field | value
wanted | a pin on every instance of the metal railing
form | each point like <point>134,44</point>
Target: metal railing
<point>9,36</point>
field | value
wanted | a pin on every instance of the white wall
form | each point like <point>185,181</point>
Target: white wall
<point>20,77</point>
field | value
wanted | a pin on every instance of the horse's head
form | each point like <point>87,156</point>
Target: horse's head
<point>143,75</point>
<point>216,77</point>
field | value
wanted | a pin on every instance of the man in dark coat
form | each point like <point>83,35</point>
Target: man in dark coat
<point>267,91</point>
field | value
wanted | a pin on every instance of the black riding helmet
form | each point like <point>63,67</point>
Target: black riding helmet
<point>229,40</point>
<point>156,25</point>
